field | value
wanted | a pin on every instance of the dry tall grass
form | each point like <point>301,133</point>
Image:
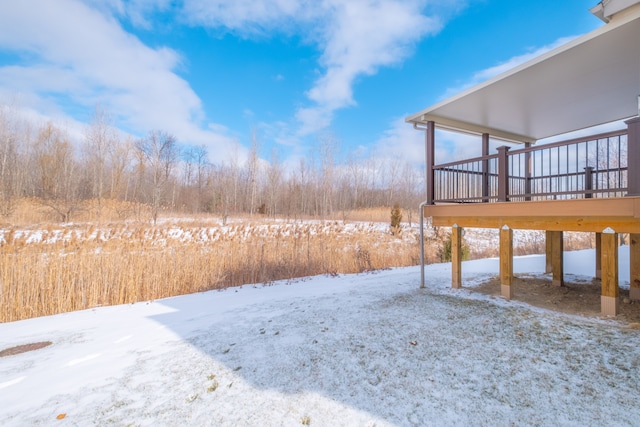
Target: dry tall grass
<point>54,268</point>
<point>59,269</point>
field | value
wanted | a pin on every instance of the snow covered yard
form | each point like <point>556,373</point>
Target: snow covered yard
<point>366,349</point>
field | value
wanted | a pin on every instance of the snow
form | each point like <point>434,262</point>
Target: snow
<point>368,349</point>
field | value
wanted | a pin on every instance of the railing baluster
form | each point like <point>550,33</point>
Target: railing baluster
<point>535,173</point>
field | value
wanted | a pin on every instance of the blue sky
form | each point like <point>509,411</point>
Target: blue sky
<point>290,73</point>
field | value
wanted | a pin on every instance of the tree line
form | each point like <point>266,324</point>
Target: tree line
<point>41,162</point>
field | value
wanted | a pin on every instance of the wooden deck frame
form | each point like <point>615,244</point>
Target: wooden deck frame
<point>598,256</point>
<point>589,215</point>
<point>599,216</point>
<point>456,256</point>
<point>634,261</point>
<point>557,257</point>
<point>506,262</point>
<point>610,289</point>
<point>548,268</point>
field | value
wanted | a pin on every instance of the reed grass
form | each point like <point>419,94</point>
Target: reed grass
<point>58,269</point>
<point>51,269</point>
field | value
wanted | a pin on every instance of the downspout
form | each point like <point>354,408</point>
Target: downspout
<point>421,210</point>
<point>421,213</point>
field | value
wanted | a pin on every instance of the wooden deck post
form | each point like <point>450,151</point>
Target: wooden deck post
<point>430,150</point>
<point>557,258</point>
<point>527,172</point>
<point>634,261</point>
<point>547,252</point>
<point>456,256</point>
<point>633,157</point>
<point>598,255</point>
<point>506,262</point>
<point>503,174</point>
<point>485,167</point>
<point>588,182</point>
<point>610,291</point>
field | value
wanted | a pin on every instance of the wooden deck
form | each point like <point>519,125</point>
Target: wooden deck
<point>605,217</point>
<point>621,214</point>
<point>590,184</point>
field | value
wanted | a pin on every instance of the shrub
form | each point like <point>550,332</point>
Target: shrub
<point>396,219</point>
<point>444,252</point>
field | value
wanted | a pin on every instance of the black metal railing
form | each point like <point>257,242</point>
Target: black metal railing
<point>588,167</point>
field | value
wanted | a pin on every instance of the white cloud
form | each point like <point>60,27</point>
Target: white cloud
<point>356,38</point>
<point>84,55</point>
<point>511,63</point>
<point>361,37</point>
<point>249,17</point>
<point>79,53</point>
<point>402,142</point>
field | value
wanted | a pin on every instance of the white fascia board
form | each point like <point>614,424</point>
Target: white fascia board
<point>612,7</point>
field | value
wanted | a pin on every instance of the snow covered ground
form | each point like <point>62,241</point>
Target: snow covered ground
<point>368,349</point>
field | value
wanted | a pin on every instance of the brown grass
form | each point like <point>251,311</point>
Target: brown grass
<point>58,269</point>
<point>29,211</point>
<point>379,214</point>
<point>112,255</point>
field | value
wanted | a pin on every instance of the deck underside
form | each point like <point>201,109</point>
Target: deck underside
<point>622,215</point>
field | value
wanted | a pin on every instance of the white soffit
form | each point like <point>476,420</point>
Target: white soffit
<point>592,80</point>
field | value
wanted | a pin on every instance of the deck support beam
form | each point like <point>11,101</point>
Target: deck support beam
<point>547,252</point>
<point>598,255</point>
<point>456,256</point>
<point>634,262</point>
<point>506,262</point>
<point>557,257</point>
<point>610,292</point>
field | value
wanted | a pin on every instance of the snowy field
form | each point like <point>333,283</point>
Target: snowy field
<point>369,349</point>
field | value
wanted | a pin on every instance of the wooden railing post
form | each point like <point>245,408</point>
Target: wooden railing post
<point>503,174</point>
<point>633,156</point>
<point>485,167</point>
<point>588,182</point>
<point>527,172</point>
<point>430,161</point>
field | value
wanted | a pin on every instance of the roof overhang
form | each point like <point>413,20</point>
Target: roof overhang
<point>592,80</point>
<point>606,9</point>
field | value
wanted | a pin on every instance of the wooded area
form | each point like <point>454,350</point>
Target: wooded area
<point>40,161</point>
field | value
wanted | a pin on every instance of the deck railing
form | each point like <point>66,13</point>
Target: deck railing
<point>588,167</point>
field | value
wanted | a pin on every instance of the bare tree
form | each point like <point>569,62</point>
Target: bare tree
<point>252,172</point>
<point>8,163</point>
<point>100,137</point>
<point>274,181</point>
<point>57,168</point>
<point>392,170</point>
<point>160,151</point>
<point>328,145</point>
<point>410,187</point>
<point>119,160</point>
<point>194,174</point>
<point>43,165</point>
